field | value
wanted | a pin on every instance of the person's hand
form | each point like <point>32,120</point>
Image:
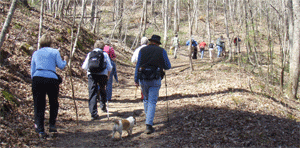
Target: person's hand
<point>66,58</point>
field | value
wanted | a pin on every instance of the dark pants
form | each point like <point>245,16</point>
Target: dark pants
<point>93,82</point>
<point>195,52</point>
<point>40,87</point>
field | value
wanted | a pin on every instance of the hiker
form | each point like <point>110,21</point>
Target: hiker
<point>220,45</point>
<point>152,60</point>
<point>194,47</point>
<point>98,66</point>
<point>236,42</point>
<point>175,45</point>
<point>45,81</point>
<point>111,53</point>
<point>211,49</point>
<point>202,48</point>
<point>144,42</point>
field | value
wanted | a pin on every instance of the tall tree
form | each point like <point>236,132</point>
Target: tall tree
<point>207,21</point>
<point>41,23</point>
<point>191,17</point>
<point>295,52</point>
<point>166,15</point>
<point>7,22</point>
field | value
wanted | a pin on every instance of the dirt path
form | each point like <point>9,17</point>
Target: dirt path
<point>194,99</point>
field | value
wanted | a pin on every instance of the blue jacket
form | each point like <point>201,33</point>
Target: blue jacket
<point>194,43</point>
<point>44,61</point>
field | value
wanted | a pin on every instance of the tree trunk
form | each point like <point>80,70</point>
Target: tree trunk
<point>41,23</point>
<point>227,31</point>
<point>7,22</point>
<point>295,53</point>
<point>175,16</point>
<point>165,23</point>
<point>207,22</point>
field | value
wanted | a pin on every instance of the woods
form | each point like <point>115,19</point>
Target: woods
<point>265,68</point>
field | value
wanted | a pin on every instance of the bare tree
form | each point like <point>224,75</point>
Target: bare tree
<point>41,23</point>
<point>207,21</point>
<point>7,22</point>
<point>166,3</point>
<point>295,57</point>
<point>176,13</point>
<point>191,17</point>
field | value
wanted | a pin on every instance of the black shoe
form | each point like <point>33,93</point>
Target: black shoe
<point>97,117</point>
<point>149,129</point>
<point>42,135</point>
<point>52,129</point>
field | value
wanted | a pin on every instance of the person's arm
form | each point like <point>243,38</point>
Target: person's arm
<point>136,80</point>
<point>33,66</point>
<point>167,64</point>
<point>85,63</point>
<point>59,62</point>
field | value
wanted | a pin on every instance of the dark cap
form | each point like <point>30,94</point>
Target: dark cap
<point>155,38</point>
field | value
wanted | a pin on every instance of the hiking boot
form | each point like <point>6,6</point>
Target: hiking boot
<point>42,135</point>
<point>149,129</point>
<point>97,117</point>
<point>52,129</point>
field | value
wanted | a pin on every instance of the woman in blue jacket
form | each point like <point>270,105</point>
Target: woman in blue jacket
<point>45,81</point>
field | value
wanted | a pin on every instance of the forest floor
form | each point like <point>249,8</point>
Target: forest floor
<point>212,106</point>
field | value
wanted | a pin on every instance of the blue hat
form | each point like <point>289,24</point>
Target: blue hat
<point>155,38</point>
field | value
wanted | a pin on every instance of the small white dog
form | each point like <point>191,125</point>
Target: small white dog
<point>123,124</point>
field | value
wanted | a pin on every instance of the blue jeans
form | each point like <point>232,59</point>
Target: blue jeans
<point>202,53</point>
<point>219,51</point>
<point>150,90</point>
<point>110,81</point>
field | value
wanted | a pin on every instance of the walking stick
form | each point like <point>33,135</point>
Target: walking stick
<point>166,97</point>
<point>107,111</point>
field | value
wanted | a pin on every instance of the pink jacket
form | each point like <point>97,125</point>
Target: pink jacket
<point>110,51</point>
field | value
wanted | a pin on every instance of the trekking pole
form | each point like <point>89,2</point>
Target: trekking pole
<point>107,111</point>
<point>166,97</point>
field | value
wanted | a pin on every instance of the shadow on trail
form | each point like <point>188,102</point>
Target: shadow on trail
<point>228,90</point>
<point>197,126</point>
<point>204,126</point>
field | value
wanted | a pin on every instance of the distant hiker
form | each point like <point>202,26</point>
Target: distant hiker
<point>194,47</point>
<point>111,53</point>
<point>220,45</point>
<point>152,60</point>
<point>175,45</point>
<point>144,42</point>
<point>211,49</point>
<point>98,66</point>
<point>202,48</point>
<point>236,42</point>
<point>45,81</point>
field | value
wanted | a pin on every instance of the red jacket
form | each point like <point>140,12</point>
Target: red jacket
<point>202,45</point>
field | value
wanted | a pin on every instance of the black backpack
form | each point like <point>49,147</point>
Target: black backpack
<point>96,62</point>
<point>211,45</point>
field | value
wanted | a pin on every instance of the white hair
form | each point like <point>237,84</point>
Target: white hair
<point>144,40</point>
